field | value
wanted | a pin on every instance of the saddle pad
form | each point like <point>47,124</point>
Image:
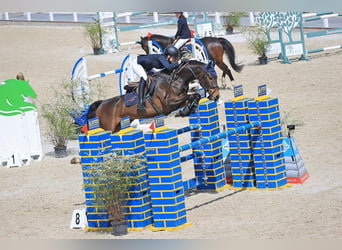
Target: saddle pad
<point>131,98</point>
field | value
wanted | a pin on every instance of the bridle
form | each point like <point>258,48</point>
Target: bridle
<point>201,77</point>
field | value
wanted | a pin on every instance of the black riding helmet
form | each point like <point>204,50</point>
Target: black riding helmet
<point>172,51</point>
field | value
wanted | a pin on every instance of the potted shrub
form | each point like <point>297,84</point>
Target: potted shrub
<point>257,41</point>
<point>112,180</point>
<point>93,32</point>
<point>60,125</point>
<point>231,20</point>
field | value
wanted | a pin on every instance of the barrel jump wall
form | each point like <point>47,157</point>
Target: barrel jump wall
<point>209,169</point>
<point>257,160</point>
<point>93,150</point>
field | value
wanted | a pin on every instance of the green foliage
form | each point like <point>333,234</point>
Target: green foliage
<point>84,93</point>
<point>93,32</point>
<point>56,113</point>
<point>233,18</point>
<point>288,118</point>
<point>112,180</point>
<point>60,123</point>
<point>257,40</point>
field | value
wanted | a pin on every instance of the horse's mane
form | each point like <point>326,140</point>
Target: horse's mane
<point>194,61</point>
<point>160,36</point>
<point>157,37</point>
<point>166,75</point>
<point>162,75</point>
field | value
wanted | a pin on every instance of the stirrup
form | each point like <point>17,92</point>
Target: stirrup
<point>129,88</point>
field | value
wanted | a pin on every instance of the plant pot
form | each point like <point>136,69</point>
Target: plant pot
<point>119,228</point>
<point>229,30</point>
<point>97,51</point>
<point>60,151</point>
<point>263,60</point>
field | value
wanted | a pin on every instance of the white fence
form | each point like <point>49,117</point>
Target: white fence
<point>88,16</point>
<point>38,16</point>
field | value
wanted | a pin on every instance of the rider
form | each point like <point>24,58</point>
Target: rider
<point>148,63</point>
<point>183,33</point>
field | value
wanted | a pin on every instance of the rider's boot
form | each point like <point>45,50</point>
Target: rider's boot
<point>141,91</point>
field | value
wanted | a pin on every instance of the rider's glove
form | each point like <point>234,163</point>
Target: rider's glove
<point>185,60</point>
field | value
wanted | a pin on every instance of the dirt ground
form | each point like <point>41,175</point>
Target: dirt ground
<point>37,201</point>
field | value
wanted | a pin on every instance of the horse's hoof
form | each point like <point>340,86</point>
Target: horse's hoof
<point>75,160</point>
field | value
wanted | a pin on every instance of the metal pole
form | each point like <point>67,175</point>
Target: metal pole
<point>117,44</point>
<point>218,136</point>
<point>188,128</point>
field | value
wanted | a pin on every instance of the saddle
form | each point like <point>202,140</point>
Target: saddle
<point>131,96</point>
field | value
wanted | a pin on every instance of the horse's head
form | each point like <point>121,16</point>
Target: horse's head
<point>143,43</point>
<point>206,76</point>
<point>161,40</point>
<point>214,93</point>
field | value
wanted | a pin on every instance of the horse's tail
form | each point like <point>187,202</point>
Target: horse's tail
<point>230,53</point>
<point>92,109</point>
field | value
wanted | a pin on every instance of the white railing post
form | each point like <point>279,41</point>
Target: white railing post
<point>51,16</point>
<point>326,23</point>
<point>6,16</point>
<point>155,17</point>
<point>74,15</point>
<point>217,18</point>
<point>28,16</point>
<point>128,19</point>
<point>251,19</point>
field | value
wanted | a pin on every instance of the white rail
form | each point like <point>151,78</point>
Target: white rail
<point>28,16</point>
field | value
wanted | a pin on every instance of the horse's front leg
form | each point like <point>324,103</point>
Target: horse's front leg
<point>191,106</point>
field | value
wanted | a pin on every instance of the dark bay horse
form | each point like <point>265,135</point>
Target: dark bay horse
<point>216,48</point>
<point>170,94</point>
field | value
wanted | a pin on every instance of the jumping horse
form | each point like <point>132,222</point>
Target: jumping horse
<point>170,93</point>
<point>215,46</point>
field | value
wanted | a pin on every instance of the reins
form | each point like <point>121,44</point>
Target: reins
<point>174,73</point>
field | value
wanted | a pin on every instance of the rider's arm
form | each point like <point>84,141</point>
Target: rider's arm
<point>166,64</point>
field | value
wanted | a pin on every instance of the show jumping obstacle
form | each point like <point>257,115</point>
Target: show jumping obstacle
<point>79,74</point>
<point>256,152</point>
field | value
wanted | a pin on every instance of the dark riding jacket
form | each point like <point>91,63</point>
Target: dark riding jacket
<point>183,31</point>
<point>157,61</point>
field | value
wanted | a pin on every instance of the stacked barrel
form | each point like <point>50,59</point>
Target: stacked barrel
<point>93,150</point>
<point>138,210</point>
<point>241,152</point>
<point>165,177</point>
<point>209,168</point>
<point>267,142</point>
